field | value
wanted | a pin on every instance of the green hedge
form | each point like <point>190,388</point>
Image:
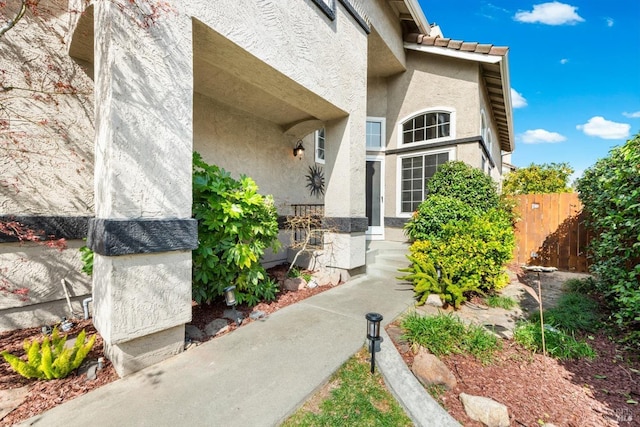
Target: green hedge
<point>433,213</point>
<point>610,193</point>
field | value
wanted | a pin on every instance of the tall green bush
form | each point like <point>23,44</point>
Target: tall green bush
<point>470,185</point>
<point>235,226</point>
<point>434,213</point>
<point>473,253</point>
<point>542,178</point>
<point>610,194</point>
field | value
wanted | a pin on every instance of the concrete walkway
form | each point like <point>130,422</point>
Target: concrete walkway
<point>262,372</point>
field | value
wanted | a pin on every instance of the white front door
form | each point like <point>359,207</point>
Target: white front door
<point>375,197</point>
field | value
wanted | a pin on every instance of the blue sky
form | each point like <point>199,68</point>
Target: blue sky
<point>574,64</point>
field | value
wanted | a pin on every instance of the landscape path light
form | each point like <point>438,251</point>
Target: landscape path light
<point>230,298</point>
<point>373,334</point>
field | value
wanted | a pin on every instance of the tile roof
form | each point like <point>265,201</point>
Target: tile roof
<point>460,45</point>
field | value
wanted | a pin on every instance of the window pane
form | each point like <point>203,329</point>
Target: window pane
<point>419,136</point>
<point>432,119</point>
<point>431,133</point>
<point>419,121</point>
<point>374,134</point>
<point>407,137</point>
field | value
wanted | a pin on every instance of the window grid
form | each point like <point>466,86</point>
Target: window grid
<point>426,126</point>
<point>374,134</point>
<point>416,172</point>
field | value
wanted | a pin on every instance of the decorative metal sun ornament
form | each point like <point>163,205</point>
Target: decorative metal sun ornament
<point>316,180</point>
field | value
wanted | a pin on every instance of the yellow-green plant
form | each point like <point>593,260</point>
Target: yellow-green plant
<point>424,276</point>
<point>50,359</point>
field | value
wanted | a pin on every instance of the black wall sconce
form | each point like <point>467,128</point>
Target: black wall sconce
<point>230,299</point>
<point>373,334</point>
<point>299,150</point>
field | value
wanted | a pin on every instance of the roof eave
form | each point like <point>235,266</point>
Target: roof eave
<point>418,16</point>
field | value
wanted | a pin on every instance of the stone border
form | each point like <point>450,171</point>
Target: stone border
<point>67,227</point>
<point>113,237</point>
<point>405,387</point>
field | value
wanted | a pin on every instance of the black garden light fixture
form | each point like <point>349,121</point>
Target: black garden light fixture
<point>299,150</point>
<point>230,299</point>
<point>373,334</point>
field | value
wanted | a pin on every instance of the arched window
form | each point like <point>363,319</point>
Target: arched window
<point>427,126</point>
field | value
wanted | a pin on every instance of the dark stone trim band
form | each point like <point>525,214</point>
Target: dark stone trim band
<point>449,143</point>
<point>330,11</point>
<point>355,15</point>
<point>113,237</point>
<point>395,222</point>
<point>346,224</point>
<point>336,224</point>
<point>56,227</point>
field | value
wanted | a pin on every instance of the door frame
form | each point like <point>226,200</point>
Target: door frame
<point>377,232</point>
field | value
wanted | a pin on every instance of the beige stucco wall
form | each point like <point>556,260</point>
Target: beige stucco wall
<point>245,144</point>
<point>433,81</point>
<point>46,161</point>
<point>46,120</point>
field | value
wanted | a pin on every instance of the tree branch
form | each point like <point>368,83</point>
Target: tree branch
<point>10,23</point>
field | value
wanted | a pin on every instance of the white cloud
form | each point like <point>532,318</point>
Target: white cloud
<point>517,100</point>
<point>599,127</point>
<point>553,13</point>
<point>541,136</point>
<point>610,22</point>
<point>635,115</point>
<point>564,61</point>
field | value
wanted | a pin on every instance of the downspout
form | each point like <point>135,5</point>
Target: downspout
<point>85,307</point>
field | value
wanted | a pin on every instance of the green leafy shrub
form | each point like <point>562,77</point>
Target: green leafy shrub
<point>51,359</point>
<point>434,213</point>
<point>235,227</point>
<point>610,193</point>
<point>446,334</point>
<point>473,253</point>
<point>465,183</point>
<point>423,275</point>
<point>86,257</point>
<point>559,344</point>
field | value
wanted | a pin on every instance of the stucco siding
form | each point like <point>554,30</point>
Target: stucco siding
<point>245,144</point>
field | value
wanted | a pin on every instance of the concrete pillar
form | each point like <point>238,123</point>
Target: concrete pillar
<point>345,193</point>
<point>143,233</point>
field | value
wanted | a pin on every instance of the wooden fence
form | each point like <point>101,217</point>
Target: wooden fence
<point>551,231</point>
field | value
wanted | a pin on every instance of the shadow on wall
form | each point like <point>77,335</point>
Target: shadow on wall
<point>565,248</point>
<point>31,290</point>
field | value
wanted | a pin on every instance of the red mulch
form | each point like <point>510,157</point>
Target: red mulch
<point>538,389</point>
<point>44,395</point>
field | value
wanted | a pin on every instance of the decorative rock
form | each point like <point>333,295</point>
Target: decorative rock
<point>334,278</point>
<point>294,283</point>
<point>312,284</point>
<point>430,370</point>
<point>256,315</point>
<point>344,276</point>
<point>193,333</point>
<point>92,371</point>
<point>487,411</point>
<point>434,300</point>
<point>11,399</point>
<point>322,278</point>
<point>216,326</point>
<point>539,268</point>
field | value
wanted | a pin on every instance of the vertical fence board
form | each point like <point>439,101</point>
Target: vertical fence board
<point>551,231</point>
